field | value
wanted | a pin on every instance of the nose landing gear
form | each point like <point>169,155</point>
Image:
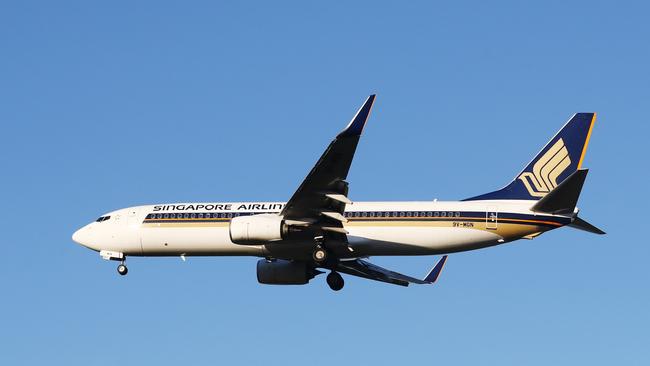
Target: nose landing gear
<point>335,281</point>
<point>122,270</point>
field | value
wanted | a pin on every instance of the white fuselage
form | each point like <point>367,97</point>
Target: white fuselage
<point>375,228</point>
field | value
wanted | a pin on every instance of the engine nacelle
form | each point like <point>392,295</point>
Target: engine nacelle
<point>282,272</point>
<point>256,229</point>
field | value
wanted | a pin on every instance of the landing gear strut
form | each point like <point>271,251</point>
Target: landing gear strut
<point>122,270</point>
<point>320,254</point>
<point>335,281</point>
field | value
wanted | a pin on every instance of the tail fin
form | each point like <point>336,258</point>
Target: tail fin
<point>559,159</point>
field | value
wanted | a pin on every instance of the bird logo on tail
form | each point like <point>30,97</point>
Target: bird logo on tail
<point>546,170</point>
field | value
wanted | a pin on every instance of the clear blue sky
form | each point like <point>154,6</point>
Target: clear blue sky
<point>120,103</point>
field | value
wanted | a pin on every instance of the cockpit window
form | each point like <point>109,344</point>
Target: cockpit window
<point>102,218</point>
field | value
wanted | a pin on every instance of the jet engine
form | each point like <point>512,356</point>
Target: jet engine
<point>282,272</point>
<point>257,229</point>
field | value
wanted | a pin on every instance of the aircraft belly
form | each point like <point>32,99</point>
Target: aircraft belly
<point>417,240</point>
<point>198,241</point>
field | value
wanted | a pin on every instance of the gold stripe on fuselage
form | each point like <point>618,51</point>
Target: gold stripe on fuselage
<point>510,230</point>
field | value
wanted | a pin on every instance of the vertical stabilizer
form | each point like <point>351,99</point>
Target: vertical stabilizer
<point>559,159</point>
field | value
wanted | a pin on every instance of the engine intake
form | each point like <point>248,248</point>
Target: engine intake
<point>257,229</point>
<point>282,272</point>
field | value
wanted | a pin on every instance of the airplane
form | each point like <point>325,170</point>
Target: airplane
<point>320,228</point>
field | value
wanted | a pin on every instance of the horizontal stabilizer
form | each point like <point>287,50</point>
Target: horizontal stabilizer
<point>581,224</point>
<point>563,198</point>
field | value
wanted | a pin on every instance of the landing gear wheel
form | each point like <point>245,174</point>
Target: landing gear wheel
<point>335,281</point>
<point>319,255</point>
<point>122,270</point>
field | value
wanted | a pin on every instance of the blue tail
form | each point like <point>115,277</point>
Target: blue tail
<point>560,158</point>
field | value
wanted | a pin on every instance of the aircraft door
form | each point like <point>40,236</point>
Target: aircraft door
<point>132,218</point>
<point>491,218</point>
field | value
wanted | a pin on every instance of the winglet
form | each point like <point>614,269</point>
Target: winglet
<point>355,127</point>
<point>435,271</point>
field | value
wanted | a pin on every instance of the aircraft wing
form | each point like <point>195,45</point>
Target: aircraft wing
<point>319,202</point>
<point>370,271</point>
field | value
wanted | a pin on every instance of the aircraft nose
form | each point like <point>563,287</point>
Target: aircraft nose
<point>82,237</point>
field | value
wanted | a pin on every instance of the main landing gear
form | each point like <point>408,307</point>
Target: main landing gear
<point>319,254</point>
<point>335,281</point>
<point>122,270</point>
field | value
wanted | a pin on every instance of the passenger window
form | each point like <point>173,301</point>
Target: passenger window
<point>457,214</point>
<point>200,216</point>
